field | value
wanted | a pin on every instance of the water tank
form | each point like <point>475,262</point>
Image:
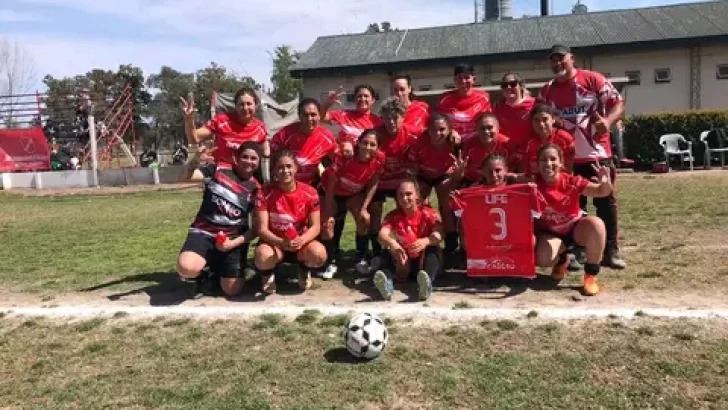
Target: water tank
<point>545,7</point>
<point>498,10</point>
<point>579,8</point>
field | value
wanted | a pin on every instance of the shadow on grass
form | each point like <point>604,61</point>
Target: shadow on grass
<point>165,288</point>
<point>341,355</point>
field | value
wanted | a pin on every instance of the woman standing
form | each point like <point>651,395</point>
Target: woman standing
<point>352,122</point>
<point>465,104</point>
<point>513,113</point>
<point>417,114</point>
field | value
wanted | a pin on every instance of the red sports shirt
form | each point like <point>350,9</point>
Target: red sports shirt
<point>559,137</point>
<point>515,121</point>
<point>498,229</point>
<point>464,111</point>
<point>309,149</point>
<point>476,152</point>
<point>408,229</point>
<point>396,159</point>
<point>353,175</point>
<point>287,209</point>
<point>431,161</point>
<point>353,123</point>
<point>577,101</point>
<point>230,134</point>
<point>417,117</point>
<point>562,210</point>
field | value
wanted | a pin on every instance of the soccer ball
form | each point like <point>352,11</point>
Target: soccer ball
<point>366,336</point>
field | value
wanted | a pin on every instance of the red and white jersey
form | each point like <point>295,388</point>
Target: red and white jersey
<point>515,121</point>
<point>286,209</point>
<point>475,153</point>
<point>562,210</point>
<point>408,229</point>
<point>352,174</point>
<point>464,111</point>
<point>577,101</point>
<point>396,159</point>
<point>230,134</point>
<point>498,229</point>
<point>309,149</point>
<point>431,161</point>
<point>530,155</point>
<point>417,117</point>
<point>353,123</point>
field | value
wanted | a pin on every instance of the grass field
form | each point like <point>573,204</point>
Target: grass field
<point>272,363</point>
<point>674,234</point>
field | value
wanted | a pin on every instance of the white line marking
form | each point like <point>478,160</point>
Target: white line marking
<point>390,311</point>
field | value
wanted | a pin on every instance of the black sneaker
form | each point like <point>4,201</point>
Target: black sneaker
<point>574,265</point>
<point>613,260</point>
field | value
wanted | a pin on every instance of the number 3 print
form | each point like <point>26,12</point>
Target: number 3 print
<point>500,223</point>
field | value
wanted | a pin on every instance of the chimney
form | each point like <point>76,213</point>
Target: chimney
<point>545,7</point>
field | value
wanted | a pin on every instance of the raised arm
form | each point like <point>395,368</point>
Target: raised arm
<point>194,135</point>
<point>601,188</point>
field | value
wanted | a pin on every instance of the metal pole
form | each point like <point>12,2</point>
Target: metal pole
<point>92,140</point>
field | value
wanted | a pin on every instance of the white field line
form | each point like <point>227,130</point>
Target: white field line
<point>416,311</point>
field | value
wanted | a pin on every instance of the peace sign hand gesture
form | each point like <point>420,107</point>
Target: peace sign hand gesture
<point>603,174</point>
<point>188,106</point>
<point>459,164</point>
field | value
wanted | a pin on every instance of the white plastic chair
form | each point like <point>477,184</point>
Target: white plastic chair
<point>722,135</point>
<point>671,145</point>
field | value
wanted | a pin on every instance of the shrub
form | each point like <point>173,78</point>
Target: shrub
<point>642,133</point>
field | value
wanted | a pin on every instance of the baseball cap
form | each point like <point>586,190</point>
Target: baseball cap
<point>463,68</point>
<point>559,49</point>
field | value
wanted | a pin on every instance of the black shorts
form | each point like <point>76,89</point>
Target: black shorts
<point>382,194</point>
<point>567,238</point>
<point>340,201</point>
<point>431,182</point>
<point>223,264</point>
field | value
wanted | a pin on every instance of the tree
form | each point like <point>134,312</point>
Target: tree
<point>285,87</point>
<point>167,121</point>
<point>376,28</point>
<point>216,77</point>
<point>373,28</point>
<point>17,76</point>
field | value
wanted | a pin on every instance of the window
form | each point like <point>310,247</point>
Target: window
<point>721,73</point>
<point>662,75</point>
<point>425,88</point>
<point>635,77</point>
<point>450,86</point>
<point>350,97</point>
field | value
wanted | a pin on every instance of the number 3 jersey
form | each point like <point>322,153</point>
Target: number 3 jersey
<point>498,229</point>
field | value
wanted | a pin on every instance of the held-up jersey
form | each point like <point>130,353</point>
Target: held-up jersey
<point>352,174</point>
<point>230,134</point>
<point>227,201</point>
<point>577,101</point>
<point>498,229</point>
<point>308,149</point>
<point>464,111</point>
<point>562,210</point>
<point>353,123</point>
<point>286,209</point>
<point>407,230</point>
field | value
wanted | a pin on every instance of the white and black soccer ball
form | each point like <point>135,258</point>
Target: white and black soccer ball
<point>366,336</point>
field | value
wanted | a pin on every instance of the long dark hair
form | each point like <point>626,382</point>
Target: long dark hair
<point>441,117</point>
<point>258,171</point>
<point>370,131</point>
<point>407,78</point>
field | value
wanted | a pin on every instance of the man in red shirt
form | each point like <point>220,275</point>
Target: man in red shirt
<point>464,105</point>
<point>588,105</point>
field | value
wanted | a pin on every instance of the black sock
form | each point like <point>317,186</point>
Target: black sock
<point>330,246</point>
<point>451,242</point>
<point>561,259</point>
<point>339,224</point>
<point>376,247</point>
<point>432,262</point>
<point>591,268</point>
<point>362,244</point>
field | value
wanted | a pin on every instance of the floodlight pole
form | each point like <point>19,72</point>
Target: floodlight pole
<point>92,140</point>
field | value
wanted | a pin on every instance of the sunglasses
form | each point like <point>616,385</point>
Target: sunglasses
<point>485,127</point>
<point>509,84</point>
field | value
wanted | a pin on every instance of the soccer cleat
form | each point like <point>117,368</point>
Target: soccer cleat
<point>384,285</point>
<point>613,260</point>
<point>591,285</point>
<point>329,272</point>
<point>424,285</point>
<point>558,272</point>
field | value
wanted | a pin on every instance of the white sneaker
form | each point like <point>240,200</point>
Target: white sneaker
<point>329,272</point>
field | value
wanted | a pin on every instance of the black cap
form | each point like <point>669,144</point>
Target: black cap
<point>463,68</point>
<point>559,49</point>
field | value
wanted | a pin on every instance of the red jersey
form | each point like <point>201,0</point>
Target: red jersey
<point>476,152</point>
<point>515,121</point>
<point>396,159</point>
<point>559,137</point>
<point>353,175</point>
<point>308,149</point>
<point>464,111</point>
<point>286,209</point>
<point>562,210</point>
<point>577,101</point>
<point>230,134</point>
<point>498,229</point>
<point>431,161</point>
<point>417,117</point>
<point>353,123</point>
<point>408,229</point>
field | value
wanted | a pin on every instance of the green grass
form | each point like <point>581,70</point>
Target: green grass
<point>68,243</point>
<point>289,365</point>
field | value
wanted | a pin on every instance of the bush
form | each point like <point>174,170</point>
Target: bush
<point>642,133</point>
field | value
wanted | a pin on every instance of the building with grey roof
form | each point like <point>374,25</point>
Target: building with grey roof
<point>676,57</point>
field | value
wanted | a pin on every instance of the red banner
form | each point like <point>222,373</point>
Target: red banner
<point>24,150</point>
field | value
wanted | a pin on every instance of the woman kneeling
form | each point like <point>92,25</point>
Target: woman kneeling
<point>563,224</point>
<point>289,220</point>
<point>414,247</point>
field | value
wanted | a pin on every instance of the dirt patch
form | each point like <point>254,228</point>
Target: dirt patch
<point>128,189</point>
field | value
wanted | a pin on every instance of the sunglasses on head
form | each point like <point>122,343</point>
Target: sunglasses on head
<point>509,84</point>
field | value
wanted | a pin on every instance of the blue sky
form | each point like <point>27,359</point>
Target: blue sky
<point>66,37</point>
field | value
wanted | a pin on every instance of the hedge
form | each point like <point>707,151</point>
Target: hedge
<point>642,134</point>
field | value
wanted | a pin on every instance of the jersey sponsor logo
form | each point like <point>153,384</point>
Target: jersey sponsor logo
<point>460,116</point>
<point>497,263</point>
<point>557,218</point>
<point>226,207</point>
<point>349,184</point>
<point>280,221</point>
<point>573,111</point>
<point>494,199</point>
